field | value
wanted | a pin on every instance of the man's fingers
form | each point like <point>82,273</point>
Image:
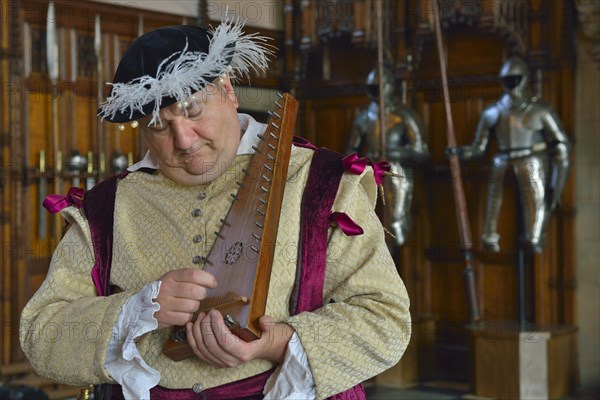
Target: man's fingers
<point>222,342</point>
<point>183,305</point>
<point>196,333</point>
<point>266,324</point>
<point>171,318</point>
<point>185,290</point>
<point>192,275</point>
<point>212,341</point>
<point>223,336</point>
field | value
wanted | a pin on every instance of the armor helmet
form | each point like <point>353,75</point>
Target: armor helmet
<point>388,85</point>
<point>514,75</point>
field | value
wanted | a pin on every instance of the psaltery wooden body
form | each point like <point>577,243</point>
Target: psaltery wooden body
<point>242,254</point>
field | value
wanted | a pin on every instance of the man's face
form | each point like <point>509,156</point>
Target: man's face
<point>197,148</point>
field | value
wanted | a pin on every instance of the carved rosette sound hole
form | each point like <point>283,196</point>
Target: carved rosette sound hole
<point>234,253</point>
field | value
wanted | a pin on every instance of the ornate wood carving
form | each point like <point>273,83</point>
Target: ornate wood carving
<point>38,51</point>
<point>506,19</point>
<point>86,60</point>
<point>589,18</point>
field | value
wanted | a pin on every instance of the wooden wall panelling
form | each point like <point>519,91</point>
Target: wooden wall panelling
<point>19,145</point>
<point>14,189</point>
<point>565,107</point>
<point>5,271</point>
<point>331,103</point>
<point>554,57</point>
<point>326,119</point>
<point>290,37</point>
<point>400,31</point>
<point>5,310</point>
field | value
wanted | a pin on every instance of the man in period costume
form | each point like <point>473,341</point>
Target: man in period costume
<point>131,266</point>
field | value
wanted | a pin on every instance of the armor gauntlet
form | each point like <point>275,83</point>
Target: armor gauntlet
<point>559,159</point>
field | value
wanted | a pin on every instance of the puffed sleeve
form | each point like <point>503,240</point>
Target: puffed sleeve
<point>364,326</point>
<point>65,327</point>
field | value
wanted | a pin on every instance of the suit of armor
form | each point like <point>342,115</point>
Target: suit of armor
<point>530,140</point>
<point>404,148</point>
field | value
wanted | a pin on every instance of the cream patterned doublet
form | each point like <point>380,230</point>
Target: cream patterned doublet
<point>160,226</point>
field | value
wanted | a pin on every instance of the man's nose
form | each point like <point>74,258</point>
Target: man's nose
<point>184,135</point>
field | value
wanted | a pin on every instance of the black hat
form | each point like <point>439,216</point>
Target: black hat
<point>169,64</point>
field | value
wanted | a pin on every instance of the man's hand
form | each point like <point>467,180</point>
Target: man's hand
<point>180,294</point>
<point>213,342</point>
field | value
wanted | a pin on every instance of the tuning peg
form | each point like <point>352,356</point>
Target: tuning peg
<point>274,114</point>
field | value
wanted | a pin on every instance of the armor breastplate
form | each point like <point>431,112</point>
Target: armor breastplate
<point>370,131</point>
<point>518,128</point>
<point>395,131</point>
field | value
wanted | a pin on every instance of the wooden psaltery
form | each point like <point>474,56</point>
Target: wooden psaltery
<point>242,254</point>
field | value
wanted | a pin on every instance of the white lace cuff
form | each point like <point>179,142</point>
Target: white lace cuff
<point>124,362</point>
<point>293,378</point>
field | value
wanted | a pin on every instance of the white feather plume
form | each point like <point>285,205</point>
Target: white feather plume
<point>182,74</point>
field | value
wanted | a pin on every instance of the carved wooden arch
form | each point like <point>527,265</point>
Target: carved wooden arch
<point>514,41</point>
<point>588,12</point>
<point>489,21</point>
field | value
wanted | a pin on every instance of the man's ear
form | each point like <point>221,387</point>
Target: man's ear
<point>228,88</point>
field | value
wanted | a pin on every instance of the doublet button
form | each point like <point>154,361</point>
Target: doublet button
<point>196,259</point>
<point>197,239</point>
<point>197,388</point>
<point>202,196</point>
<point>196,212</point>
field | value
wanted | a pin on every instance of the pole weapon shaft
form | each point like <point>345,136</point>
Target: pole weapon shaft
<point>462,217</point>
<point>380,72</point>
<point>99,72</point>
<point>52,59</point>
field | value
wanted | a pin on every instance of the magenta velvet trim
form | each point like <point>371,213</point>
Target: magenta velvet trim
<point>380,169</point>
<point>346,224</point>
<point>324,179</point>
<point>56,202</point>
<point>99,207</point>
<point>356,165</point>
<point>301,142</point>
<point>246,389</point>
<point>249,388</point>
<point>325,175</point>
<point>354,393</point>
